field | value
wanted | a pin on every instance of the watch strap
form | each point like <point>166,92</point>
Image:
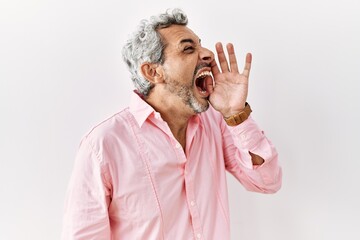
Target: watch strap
<point>240,117</point>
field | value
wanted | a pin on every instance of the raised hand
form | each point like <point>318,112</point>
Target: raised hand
<point>231,87</point>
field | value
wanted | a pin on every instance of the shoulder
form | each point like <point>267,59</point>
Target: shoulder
<point>211,117</point>
<point>212,122</point>
<point>112,131</point>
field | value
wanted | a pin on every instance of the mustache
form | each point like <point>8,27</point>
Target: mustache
<point>200,66</point>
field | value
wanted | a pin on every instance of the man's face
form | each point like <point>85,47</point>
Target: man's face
<point>186,67</point>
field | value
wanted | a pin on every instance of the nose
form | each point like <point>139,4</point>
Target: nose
<point>206,55</point>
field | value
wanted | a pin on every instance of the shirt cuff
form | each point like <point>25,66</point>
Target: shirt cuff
<point>249,137</point>
<point>248,134</point>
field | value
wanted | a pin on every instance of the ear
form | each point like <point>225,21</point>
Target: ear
<point>152,72</point>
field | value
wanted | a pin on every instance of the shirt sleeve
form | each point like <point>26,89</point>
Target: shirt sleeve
<point>245,138</point>
<point>88,197</point>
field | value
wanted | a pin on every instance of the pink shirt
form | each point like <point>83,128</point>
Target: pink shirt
<point>132,179</point>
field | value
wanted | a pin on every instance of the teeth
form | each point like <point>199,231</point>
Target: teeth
<point>200,82</point>
<point>205,73</point>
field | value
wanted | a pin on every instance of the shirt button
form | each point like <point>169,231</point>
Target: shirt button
<point>198,236</point>
<point>178,145</point>
<point>192,203</point>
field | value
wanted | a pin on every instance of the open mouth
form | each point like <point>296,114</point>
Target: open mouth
<point>203,81</point>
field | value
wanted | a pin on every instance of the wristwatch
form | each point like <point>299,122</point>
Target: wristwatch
<point>240,117</point>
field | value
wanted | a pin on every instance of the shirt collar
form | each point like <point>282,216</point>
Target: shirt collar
<point>140,109</point>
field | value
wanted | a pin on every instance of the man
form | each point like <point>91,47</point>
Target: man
<point>156,170</point>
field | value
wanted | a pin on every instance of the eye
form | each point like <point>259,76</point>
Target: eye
<point>189,49</point>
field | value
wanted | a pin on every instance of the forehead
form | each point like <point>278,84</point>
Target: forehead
<point>176,34</point>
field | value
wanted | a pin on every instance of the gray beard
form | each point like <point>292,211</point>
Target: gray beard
<point>196,105</point>
<point>186,94</point>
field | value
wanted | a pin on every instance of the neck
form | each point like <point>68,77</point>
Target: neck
<point>176,114</point>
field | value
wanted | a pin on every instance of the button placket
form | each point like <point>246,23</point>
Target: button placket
<point>194,212</point>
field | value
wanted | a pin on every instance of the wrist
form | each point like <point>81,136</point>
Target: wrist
<point>238,117</point>
<point>233,111</point>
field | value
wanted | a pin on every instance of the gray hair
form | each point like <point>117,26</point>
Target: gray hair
<point>145,45</point>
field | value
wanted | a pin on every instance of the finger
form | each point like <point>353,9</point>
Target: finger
<point>214,68</point>
<point>247,67</point>
<point>221,56</point>
<point>232,58</point>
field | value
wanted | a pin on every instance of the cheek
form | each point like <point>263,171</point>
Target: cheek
<point>180,70</point>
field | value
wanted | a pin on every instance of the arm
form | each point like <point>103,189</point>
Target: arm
<point>244,144</point>
<point>249,155</point>
<point>231,87</point>
<point>88,197</point>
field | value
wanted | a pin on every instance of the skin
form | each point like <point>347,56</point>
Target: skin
<point>175,95</point>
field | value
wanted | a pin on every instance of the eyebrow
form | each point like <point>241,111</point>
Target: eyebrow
<point>189,40</point>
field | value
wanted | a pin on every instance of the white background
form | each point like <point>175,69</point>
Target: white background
<point>61,72</point>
